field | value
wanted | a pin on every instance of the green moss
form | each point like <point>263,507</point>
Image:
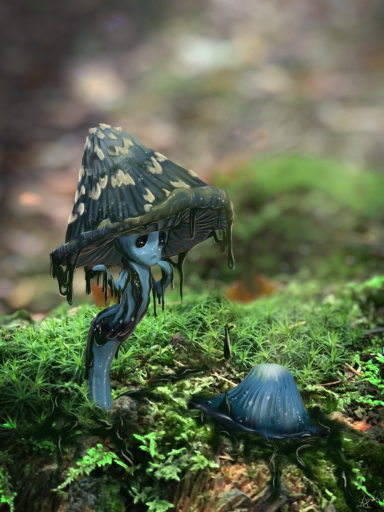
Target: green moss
<point>110,496</point>
<point>292,211</point>
<point>42,369</point>
<point>368,459</point>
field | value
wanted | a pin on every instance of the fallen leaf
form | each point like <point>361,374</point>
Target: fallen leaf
<point>225,457</point>
<point>238,291</point>
<point>98,295</point>
<point>362,426</point>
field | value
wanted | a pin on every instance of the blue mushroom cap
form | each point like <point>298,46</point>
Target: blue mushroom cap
<point>266,402</point>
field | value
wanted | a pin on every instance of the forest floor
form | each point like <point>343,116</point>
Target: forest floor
<point>286,113</point>
<point>150,452</point>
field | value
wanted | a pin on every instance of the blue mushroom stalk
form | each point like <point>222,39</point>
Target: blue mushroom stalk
<point>267,402</point>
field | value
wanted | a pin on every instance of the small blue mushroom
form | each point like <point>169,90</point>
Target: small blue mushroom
<point>267,402</point>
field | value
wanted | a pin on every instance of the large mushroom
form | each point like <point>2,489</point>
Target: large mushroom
<point>267,402</point>
<point>133,208</point>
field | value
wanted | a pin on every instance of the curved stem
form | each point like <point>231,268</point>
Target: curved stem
<point>98,384</point>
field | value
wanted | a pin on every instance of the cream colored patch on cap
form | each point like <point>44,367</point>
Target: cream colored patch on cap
<point>76,196</point>
<point>166,191</point>
<point>81,173</point>
<point>120,150</point>
<point>147,207</point>
<point>179,184</point>
<point>82,190</point>
<point>113,153</point>
<point>112,136</point>
<point>95,192</point>
<point>80,209</point>
<point>127,143</point>
<point>87,143</point>
<point>120,178</point>
<point>160,157</point>
<point>99,152</point>
<point>193,173</point>
<point>103,126</point>
<point>118,128</point>
<point>103,181</point>
<point>100,135</point>
<point>72,218</point>
<point>156,169</point>
<point>149,196</point>
<point>92,130</point>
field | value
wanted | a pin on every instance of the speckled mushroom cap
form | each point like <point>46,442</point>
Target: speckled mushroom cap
<point>126,188</point>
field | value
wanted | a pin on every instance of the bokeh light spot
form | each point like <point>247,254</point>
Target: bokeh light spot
<point>29,199</point>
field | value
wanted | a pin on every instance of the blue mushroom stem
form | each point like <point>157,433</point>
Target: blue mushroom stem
<point>98,384</point>
<point>115,324</point>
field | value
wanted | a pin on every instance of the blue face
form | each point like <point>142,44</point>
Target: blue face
<point>145,250</point>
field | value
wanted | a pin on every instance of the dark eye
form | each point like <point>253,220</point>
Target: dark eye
<point>141,241</point>
<point>162,238</point>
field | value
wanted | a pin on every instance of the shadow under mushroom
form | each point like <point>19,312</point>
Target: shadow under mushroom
<point>267,403</point>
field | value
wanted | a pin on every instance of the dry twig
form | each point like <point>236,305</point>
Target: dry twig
<point>223,378</point>
<point>293,325</point>
<point>353,370</point>
<point>329,383</point>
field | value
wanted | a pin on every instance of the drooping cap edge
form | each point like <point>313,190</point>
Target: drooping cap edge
<point>65,277</point>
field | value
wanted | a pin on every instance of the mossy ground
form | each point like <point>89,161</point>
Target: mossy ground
<point>48,423</point>
<point>314,228</point>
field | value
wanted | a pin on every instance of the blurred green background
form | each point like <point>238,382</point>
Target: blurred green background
<point>281,103</point>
